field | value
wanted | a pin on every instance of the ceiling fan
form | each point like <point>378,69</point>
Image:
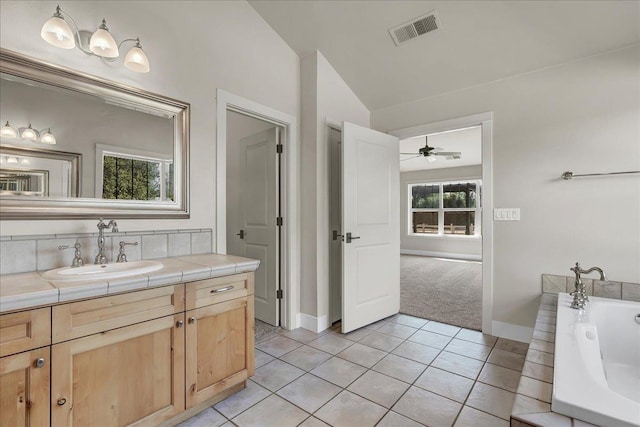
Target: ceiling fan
<point>432,153</point>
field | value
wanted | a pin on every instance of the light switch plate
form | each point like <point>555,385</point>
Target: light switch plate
<point>506,214</point>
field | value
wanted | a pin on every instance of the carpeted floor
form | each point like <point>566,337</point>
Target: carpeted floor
<point>264,330</point>
<point>447,291</point>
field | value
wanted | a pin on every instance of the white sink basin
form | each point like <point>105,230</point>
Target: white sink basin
<point>102,271</point>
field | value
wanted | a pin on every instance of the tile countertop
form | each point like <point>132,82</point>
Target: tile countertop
<point>532,405</point>
<point>28,290</point>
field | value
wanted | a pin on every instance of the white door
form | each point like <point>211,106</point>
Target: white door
<point>258,236</point>
<point>370,225</point>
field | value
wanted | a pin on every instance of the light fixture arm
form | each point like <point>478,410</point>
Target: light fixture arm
<point>136,40</point>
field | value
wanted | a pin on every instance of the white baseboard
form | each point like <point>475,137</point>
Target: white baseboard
<point>466,257</point>
<point>313,323</point>
<point>511,331</point>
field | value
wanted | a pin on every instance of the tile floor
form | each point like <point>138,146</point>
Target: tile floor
<point>401,371</point>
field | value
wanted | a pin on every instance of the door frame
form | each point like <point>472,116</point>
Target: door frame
<point>290,253</point>
<point>485,120</point>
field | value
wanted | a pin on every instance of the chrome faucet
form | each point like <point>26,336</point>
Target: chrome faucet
<point>101,258</point>
<point>580,297</point>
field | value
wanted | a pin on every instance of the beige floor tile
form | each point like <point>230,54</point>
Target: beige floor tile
<point>393,419</point>
<point>276,374</point>
<point>506,359</point>
<point>492,400</point>
<point>376,325</point>
<point>313,422</point>
<point>540,357</point>
<point>498,376</point>
<point>427,408</point>
<point>301,335</point>
<point>548,419</point>
<point>546,346</point>
<point>430,338</point>
<point>362,355</point>
<point>470,417</point>
<point>330,343</point>
<point>236,403</point>
<point>278,345</point>
<point>350,410</point>
<point>338,371</point>
<point>446,384</point>
<point>527,405</point>
<point>379,388</point>
<point>404,319</point>
<point>309,392</point>
<point>539,372</point>
<point>397,330</point>
<point>262,358</point>
<point>278,411</point>
<point>356,335</point>
<point>469,349</point>
<point>306,357</point>
<point>536,389</point>
<point>381,341</point>
<point>512,346</point>
<point>458,364</point>
<point>400,368</point>
<point>209,417</point>
<point>476,337</point>
<point>418,352</point>
<point>441,328</point>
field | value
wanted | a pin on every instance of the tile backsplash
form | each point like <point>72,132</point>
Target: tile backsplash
<point>20,254</point>
<point>552,283</point>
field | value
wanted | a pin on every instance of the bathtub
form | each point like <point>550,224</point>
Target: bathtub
<point>597,362</point>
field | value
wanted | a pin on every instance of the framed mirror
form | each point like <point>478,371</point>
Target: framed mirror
<point>78,146</point>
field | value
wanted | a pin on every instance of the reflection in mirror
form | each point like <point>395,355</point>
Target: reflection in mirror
<point>139,142</point>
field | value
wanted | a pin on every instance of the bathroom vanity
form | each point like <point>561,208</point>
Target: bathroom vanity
<point>151,349</point>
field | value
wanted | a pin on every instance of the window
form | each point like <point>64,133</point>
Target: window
<point>445,208</point>
<point>133,176</point>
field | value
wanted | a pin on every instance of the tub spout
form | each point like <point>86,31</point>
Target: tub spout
<point>580,297</point>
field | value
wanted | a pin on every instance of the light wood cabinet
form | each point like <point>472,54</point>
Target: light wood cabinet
<point>24,331</point>
<point>24,389</point>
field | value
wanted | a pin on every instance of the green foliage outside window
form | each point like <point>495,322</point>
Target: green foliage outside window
<point>135,179</point>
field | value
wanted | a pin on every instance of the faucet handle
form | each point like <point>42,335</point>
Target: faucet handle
<point>122,257</point>
<point>77,258</point>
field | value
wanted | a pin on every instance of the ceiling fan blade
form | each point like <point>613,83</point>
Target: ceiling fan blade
<point>446,153</point>
<point>411,154</point>
<point>410,158</point>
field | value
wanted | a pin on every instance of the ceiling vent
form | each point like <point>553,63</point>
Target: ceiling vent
<point>414,28</point>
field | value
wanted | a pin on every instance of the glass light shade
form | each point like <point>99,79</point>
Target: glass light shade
<point>47,137</point>
<point>8,131</point>
<point>103,44</point>
<point>136,60</point>
<point>57,32</point>
<point>431,159</point>
<point>25,162</point>
<point>29,133</point>
<point>12,160</point>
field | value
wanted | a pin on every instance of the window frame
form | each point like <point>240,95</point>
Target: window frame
<point>441,210</point>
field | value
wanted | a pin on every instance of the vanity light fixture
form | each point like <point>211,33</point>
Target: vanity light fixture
<point>57,32</point>
<point>8,131</point>
<point>47,137</point>
<point>28,133</point>
<point>12,160</point>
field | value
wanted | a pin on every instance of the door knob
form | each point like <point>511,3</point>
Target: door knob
<point>350,237</point>
<point>336,235</point>
<point>241,234</point>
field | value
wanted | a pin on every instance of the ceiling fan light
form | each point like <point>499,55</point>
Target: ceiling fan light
<point>47,137</point>
<point>57,32</point>
<point>136,60</point>
<point>102,42</point>
<point>8,131</point>
<point>29,133</point>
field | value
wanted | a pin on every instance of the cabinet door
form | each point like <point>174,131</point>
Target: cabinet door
<point>219,348</point>
<point>127,376</point>
<point>24,389</point>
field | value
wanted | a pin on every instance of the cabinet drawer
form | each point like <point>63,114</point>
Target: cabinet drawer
<point>84,318</point>
<point>24,331</point>
<point>220,289</point>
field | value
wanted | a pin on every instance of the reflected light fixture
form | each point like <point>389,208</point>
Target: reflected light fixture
<point>8,131</point>
<point>28,133</point>
<point>12,160</point>
<point>57,32</point>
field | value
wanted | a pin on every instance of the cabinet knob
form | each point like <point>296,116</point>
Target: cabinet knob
<point>192,320</point>
<point>62,401</point>
<point>179,324</point>
<point>39,363</point>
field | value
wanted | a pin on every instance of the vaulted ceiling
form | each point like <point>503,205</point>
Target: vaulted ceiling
<point>478,42</point>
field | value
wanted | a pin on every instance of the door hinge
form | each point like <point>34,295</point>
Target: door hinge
<point>279,294</point>
<point>279,148</point>
<point>279,221</point>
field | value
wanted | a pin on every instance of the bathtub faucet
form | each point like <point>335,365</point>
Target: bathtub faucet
<point>580,297</point>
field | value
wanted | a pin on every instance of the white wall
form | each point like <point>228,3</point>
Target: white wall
<point>325,95</point>
<point>194,47</point>
<point>238,127</point>
<point>582,116</point>
<point>456,247</point>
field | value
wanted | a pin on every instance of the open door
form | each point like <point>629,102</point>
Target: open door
<point>258,213</point>
<point>371,226</point>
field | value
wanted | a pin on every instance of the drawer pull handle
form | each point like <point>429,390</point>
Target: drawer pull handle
<point>179,324</point>
<point>226,288</point>
<point>39,363</point>
<point>62,401</point>
<point>192,320</point>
